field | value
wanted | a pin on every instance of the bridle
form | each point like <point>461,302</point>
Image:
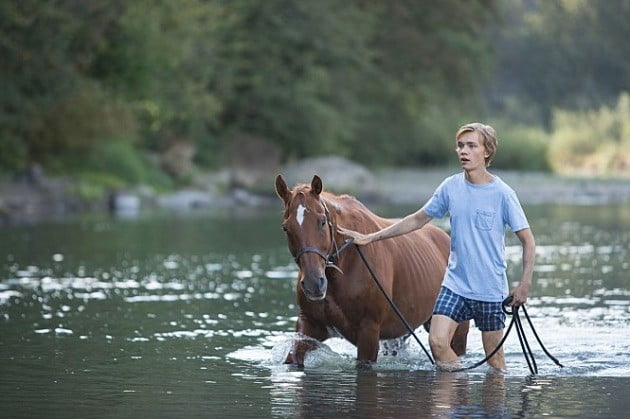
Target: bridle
<point>332,255</point>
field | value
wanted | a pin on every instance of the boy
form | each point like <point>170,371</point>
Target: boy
<point>481,206</point>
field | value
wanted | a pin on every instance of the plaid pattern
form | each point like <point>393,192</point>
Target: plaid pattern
<point>488,316</point>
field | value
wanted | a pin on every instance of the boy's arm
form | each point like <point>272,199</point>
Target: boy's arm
<point>529,255</point>
<point>410,223</point>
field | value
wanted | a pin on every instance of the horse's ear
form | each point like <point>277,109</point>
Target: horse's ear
<point>316,185</point>
<point>282,189</point>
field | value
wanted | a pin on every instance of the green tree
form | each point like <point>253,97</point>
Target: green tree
<point>559,53</point>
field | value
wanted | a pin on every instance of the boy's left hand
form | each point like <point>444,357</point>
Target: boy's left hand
<point>520,295</point>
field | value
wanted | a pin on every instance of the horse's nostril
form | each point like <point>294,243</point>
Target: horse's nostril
<point>321,281</point>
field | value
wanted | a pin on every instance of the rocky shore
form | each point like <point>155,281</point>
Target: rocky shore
<point>35,197</point>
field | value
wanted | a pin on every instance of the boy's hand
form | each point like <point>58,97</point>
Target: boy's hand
<point>359,238</point>
<point>520,295</point>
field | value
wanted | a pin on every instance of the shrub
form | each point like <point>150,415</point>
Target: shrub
<point>13,153</point>
<point>594,142</point>
<point>118,158</point>
<point>75,124</point>
<point>521,148</point>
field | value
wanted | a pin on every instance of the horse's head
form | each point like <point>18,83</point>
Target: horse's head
<point>310,234</point>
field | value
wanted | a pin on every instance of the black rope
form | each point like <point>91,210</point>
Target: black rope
<point>527,350</point>
<point>491,354</point>
<point>531,326</point>
<point>391,303</point>
<point>520,331</point>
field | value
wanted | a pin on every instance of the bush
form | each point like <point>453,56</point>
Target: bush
<point>521,148</point>
<point>118,158</point>
<point>116,164</point>
<point>13,153</point>
<point>74,125</point>
<point>95,186</point>
<point>592,142</point>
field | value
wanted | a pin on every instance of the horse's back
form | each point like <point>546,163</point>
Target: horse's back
<point>418,264</point>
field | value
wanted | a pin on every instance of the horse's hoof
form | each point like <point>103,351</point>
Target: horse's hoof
<point>293,365</point>
<point>364,365</point>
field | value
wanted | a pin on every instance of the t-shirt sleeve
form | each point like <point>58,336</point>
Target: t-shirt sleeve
<point>437,205</point>
<point>514,216</point>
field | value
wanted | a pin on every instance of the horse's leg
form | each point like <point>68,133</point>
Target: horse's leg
<point>458,344</point>
<point>368,342</point>
<point>302,346</point>
<point>298,351</point>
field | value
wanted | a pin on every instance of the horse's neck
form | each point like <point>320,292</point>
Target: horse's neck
<point>350,214</point>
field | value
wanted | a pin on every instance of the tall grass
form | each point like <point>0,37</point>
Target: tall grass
<point>595,142</point>
<point>521,147</point>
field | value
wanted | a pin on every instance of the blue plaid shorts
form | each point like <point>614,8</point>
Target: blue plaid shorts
<point>488,316</point>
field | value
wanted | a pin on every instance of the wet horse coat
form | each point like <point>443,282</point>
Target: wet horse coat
<point>343,297</point>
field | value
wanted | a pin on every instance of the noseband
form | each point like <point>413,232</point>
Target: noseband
<point>333,252</point>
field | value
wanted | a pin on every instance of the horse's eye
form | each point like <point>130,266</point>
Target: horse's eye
<point>322,223</point>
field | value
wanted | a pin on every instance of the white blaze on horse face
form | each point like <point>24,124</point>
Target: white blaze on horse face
<point>300,214</point>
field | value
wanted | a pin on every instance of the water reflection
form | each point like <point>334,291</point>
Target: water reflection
<point>394,394</point>
<point>391,394</point>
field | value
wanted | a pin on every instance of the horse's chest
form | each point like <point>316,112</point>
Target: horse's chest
<point>335,318</point>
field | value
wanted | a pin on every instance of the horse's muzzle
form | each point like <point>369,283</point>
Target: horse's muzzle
<point>315,288</point>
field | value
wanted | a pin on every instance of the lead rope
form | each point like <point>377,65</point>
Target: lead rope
<point>519,328</point>
<point>527,351</point>
<point>522,338</point>
<point>391,303</point>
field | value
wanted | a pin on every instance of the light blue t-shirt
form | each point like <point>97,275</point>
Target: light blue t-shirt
<point>480,215</point>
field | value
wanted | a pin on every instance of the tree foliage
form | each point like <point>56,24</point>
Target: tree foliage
<point>569,54</point>
<point>380,82</point>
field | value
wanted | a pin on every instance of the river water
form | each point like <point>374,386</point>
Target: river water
<point>191,315</point>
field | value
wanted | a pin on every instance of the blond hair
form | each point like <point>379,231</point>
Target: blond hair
<point>487,134</point>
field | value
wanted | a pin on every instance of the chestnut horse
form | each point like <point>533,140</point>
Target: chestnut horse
<point>342,298</point>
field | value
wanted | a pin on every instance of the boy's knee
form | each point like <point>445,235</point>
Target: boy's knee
<point>438,344</point>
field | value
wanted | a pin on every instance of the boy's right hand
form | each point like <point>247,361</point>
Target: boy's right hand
<point>358,238</point>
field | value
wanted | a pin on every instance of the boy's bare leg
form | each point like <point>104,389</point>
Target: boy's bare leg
<point>440,335</point>
<point>490,341</point>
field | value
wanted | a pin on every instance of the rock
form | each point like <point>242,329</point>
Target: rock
<point>185,200</point>
<point>124,204</point>
<point>245,198</point>
<point>339,175</point>
<point>31,175</point>
<point>252,161</point>
<point>177,159</point>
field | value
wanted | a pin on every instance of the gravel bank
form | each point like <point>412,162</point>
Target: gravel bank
<point>49,198</point>
<point>413,186</point>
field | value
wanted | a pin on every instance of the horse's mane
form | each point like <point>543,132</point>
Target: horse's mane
<point>345,202</point>
<point>341,202</point>
<point>350,211</point>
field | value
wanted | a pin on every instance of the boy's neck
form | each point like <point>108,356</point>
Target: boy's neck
<point>478,176</point>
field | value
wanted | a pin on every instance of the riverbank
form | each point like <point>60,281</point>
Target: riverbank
<point>403,186</point>
<point>34,199</point>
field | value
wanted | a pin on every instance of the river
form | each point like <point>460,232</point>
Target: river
<point>192,314</point>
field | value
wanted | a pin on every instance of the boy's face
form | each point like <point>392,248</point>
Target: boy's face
<point>470,151</point>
